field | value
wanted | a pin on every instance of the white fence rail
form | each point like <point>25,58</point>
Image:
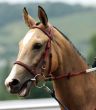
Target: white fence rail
<point>36,104</point>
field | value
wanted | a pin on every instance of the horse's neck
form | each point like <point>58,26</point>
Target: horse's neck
<point>69,59</point>
<point>69,62</point>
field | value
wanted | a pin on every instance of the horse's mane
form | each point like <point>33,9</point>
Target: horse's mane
<point>70,42</point>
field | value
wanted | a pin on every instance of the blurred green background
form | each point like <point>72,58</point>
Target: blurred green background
<point>77,22</point>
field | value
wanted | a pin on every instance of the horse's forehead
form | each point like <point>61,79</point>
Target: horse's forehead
<point>28,37</point>
<point>33,34</point>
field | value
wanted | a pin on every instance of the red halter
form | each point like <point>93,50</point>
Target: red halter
<point>46,54</point>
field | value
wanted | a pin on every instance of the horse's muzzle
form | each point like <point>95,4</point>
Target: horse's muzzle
<point>13,86</point>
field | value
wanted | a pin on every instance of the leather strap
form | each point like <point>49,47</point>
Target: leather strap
<point>65,76</point>
<point>29,69</point>
<point>46,54</point>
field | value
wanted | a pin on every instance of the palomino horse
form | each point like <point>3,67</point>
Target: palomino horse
<point>46,51</point>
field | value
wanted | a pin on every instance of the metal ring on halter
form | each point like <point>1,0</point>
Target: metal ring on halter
<point>43,67</point>
<point>41,83</point>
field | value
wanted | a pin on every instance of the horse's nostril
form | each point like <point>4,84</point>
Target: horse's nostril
<point>14,82</point>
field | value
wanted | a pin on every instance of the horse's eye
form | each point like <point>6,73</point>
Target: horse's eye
<point>37,46</point>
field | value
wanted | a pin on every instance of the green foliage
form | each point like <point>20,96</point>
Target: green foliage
<point>93,42</point>
<point>11,13</point>
<point>93,49</point>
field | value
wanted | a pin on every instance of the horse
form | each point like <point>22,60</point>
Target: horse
<point>45,51</point>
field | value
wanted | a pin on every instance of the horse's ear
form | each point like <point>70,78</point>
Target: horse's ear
<point>42,16</point>
<point>28,19</point>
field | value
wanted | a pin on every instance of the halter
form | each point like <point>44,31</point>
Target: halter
<point>45,55</point>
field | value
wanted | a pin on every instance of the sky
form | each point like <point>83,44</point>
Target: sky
<point>83,2</point>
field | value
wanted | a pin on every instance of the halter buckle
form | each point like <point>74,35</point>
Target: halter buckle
<point>39,81</point>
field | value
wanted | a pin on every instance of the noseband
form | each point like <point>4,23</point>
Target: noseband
<point>46,54</point>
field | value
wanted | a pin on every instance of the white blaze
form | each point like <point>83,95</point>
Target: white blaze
<point>14,70</point>
<point>11,75</point>
<point>28,37</point>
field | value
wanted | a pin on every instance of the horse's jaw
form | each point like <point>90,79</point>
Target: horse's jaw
<point>25,89</point>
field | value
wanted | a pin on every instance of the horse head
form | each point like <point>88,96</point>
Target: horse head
<point>35,55</point>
